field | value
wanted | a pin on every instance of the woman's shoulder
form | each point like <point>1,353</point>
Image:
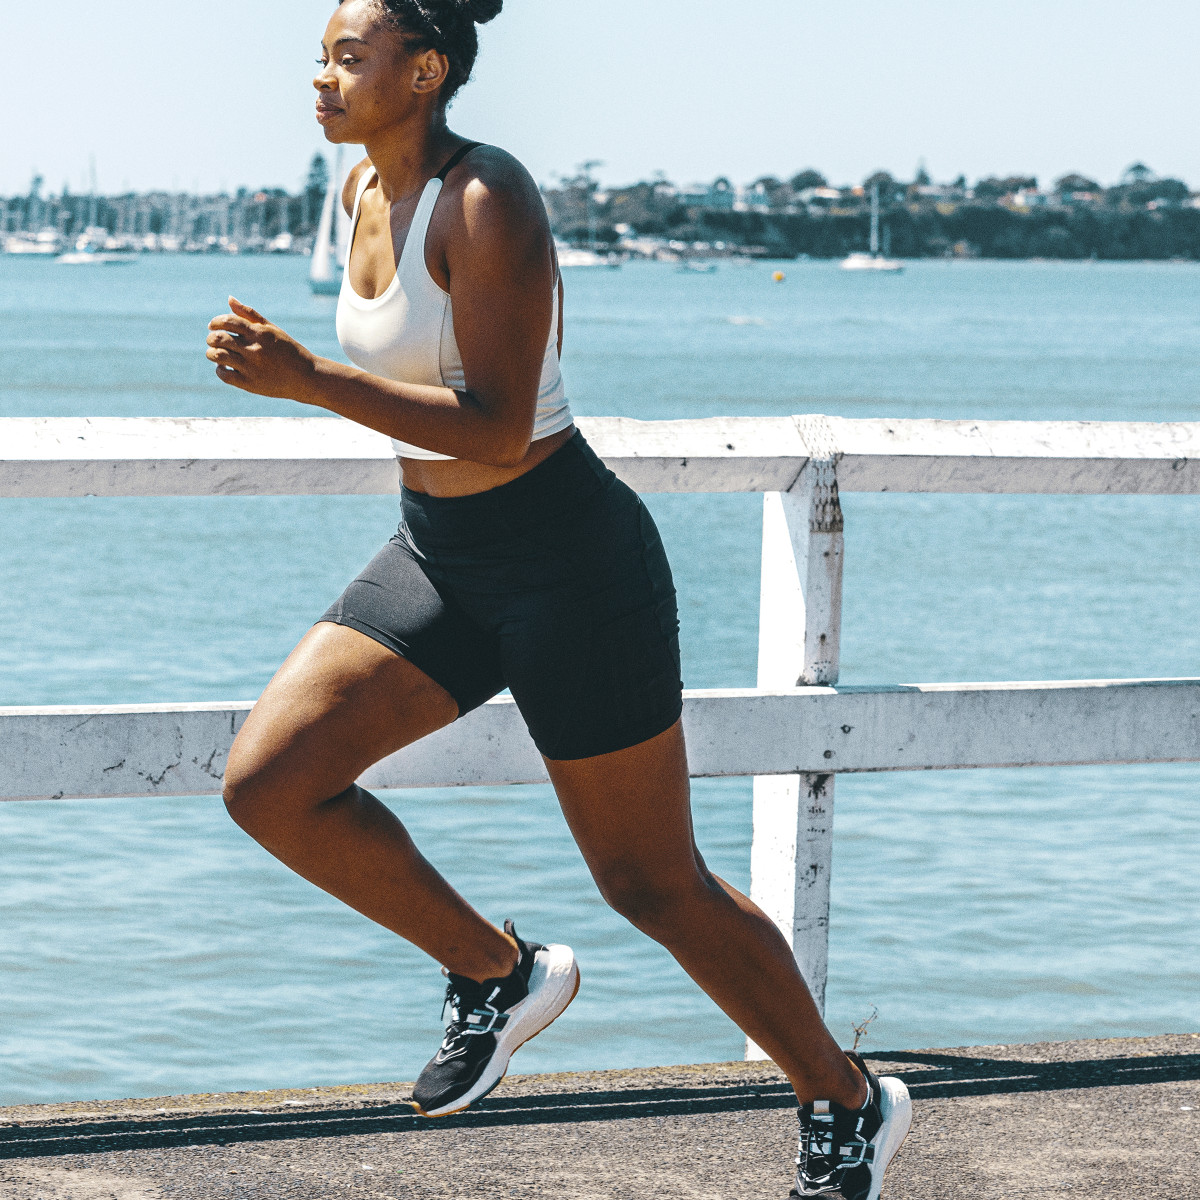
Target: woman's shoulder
<point>492,165</point>
<point>490,181</point>
<point>350,188</point>
<point>487,176</point>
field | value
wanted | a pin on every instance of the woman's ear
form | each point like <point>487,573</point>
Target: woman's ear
<point>431,71</point>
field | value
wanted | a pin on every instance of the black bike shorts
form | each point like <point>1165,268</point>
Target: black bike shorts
<point>554,585</point>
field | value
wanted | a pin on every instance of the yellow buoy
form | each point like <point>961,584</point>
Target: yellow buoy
<point>779,277</point>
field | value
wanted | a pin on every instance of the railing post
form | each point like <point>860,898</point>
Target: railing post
<point>800,612</point>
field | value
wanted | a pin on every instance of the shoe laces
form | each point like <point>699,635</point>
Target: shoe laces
<point>831,1144</point>
<point>472,1012</point>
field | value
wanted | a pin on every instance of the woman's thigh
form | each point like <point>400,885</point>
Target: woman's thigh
<point>340,702</point>
<point>630,812</point>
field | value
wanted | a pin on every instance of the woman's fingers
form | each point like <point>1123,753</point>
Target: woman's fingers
<point>245,310</point>
<point>252,354</point>
<point>229,323</point>
<point>232,340</point>
<point>230,376</point>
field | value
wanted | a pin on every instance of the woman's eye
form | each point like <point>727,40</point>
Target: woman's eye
<point>347,59</point>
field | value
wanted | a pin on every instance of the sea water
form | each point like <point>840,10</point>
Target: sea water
<point>149,947</point>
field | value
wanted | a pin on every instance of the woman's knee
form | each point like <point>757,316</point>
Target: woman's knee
<point>248,792</point>
<point>652,900</point>
<point>260,789</point>
<point>278,766</point>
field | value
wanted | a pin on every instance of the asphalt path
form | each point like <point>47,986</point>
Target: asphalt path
<point>1118,1119</point>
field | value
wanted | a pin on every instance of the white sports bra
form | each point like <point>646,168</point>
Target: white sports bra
<point>407,332</point>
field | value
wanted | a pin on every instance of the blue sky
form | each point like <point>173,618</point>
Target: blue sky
<point>217,93</point>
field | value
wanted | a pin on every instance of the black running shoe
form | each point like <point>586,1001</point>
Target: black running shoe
<point>491,1020</point>
<point>844,1152</point>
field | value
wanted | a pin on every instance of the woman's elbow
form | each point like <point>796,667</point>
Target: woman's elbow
<point>501,441</point>
<point>508,452</point>
<point>507,446</point>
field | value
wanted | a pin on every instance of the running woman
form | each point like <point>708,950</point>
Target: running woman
<point>521,562</point>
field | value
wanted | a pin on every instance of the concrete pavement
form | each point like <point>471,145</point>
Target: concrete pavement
<point>1105,1119</point>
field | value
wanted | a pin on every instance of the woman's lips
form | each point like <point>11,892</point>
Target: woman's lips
<point>326,111</point>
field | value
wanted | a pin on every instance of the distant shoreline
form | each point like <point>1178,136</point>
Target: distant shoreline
<point>1143,218</point>
<point>701,253</point>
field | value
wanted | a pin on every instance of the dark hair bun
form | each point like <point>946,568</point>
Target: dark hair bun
<point>483,11</point>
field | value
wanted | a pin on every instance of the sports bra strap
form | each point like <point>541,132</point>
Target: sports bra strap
<point>363,180</point>
<point>455,159</point>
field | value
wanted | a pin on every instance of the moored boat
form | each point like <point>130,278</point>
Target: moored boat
<point>577,256</point>
<point>89,251</point>
<point>95,258</point>
<point>872,260</point>
<point>46,243</point>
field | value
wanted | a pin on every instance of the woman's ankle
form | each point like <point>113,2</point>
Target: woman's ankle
<point>845,1086</point>
<point>494,962</point>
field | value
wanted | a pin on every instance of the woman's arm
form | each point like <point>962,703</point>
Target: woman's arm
<point>498,260</point>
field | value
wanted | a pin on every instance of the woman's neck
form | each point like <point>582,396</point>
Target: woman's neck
<point>409,154</point>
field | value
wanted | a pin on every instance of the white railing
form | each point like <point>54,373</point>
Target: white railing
<point>793,733</point>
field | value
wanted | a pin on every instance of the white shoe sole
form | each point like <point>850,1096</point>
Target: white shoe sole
<point>896,1108</point>
<point>553,984</point>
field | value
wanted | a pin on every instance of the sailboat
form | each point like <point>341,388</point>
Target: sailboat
<point>89,251</point>
<point>332,242</point>
<point>872,261</point>
<point>89,245</point>
<point>579,256</point>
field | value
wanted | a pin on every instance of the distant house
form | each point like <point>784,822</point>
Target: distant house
<point>719,196</point>
<point>1026,198</point>
<point>1076,187</point>
<point>818,200</point>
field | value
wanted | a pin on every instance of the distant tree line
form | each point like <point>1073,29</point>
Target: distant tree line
<point>973,230</point>
<point>1142,216</point>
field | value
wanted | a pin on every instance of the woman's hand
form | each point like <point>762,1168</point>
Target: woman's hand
<point>256,356</point>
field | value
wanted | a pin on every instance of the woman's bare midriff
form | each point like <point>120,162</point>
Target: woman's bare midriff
<point>458,477</point>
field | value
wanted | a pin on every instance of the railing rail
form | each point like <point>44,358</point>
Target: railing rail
<point>258,456</point>
<point>794,733</point>
<point>147,750</point>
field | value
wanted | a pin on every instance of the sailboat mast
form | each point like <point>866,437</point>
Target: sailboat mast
<point>875,220</point>
<point>93,207</point>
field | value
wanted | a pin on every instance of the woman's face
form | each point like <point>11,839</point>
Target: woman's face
<point>369,80</point>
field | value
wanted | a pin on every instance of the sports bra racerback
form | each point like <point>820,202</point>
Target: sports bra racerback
<point>406,333</point>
